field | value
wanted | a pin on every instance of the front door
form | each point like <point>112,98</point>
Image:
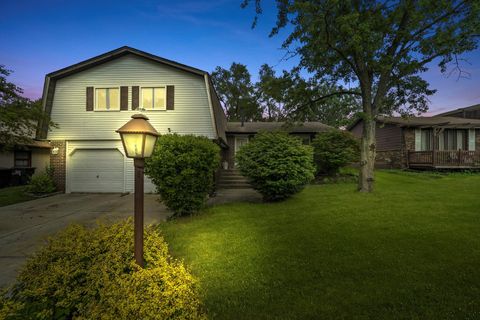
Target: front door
<point>239,143</point>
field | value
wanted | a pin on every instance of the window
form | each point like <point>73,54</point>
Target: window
<point>426,140</point>
<point>154,98</point>
<point>452,139</point>
<point>23,159</point>
<point>107,99</point>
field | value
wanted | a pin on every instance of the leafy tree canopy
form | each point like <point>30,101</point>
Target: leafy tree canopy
<point>236,91</point>
<point>380,46</point>
<point>19,116</point>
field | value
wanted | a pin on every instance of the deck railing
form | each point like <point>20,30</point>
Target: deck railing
<point>444,158</point>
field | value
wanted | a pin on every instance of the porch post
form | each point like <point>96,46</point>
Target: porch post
<point>434,147</point>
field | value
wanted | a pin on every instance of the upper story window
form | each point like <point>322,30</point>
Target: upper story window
<point>107,99</point>
<point>154,98</point>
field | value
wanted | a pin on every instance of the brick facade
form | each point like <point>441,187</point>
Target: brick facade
<point>58,164</point>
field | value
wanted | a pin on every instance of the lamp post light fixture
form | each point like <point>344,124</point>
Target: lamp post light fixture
<point>138,139</point>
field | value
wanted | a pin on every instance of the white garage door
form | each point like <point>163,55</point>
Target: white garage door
<point>96,170</point>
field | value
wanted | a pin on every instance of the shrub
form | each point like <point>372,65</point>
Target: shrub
<point>90,274</point>
<point>334,149</point>
<point>182,167</point>
<point>41,183</point>
<point>277,165</point>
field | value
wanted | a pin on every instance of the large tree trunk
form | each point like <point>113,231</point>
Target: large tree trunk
<point>367,156</point>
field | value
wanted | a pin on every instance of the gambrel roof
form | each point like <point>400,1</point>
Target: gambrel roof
<point>51,78</point>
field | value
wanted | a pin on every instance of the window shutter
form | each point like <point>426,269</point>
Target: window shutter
<point>135,97</point>
<point>123,98</point>
<point>471,139</point>
<point>89,99</point>
<point>170,97</point>
<point>418,139</point>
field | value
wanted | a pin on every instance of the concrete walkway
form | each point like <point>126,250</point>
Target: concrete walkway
<point>24,226</point>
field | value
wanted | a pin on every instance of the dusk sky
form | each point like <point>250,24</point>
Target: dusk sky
<point>39,37</point>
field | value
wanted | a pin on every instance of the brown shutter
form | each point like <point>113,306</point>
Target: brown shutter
<point>135,97</point>
<point>170,97</point>
<point>123,98</point>
<point>89,98</point>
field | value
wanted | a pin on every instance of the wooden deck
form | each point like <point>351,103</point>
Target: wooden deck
<point>444,159</point>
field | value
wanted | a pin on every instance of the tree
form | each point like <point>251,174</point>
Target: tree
<point>302,104</point>
<point>19,116</point>
<point>380,46</point>
<point>271,93</point>
<point>237,93</point>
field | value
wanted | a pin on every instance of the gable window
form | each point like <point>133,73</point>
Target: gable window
<point>154,98</point>
<point>23,159</point>
<point>107,99</point>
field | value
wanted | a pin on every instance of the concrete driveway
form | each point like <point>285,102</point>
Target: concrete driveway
<point>24,226</point>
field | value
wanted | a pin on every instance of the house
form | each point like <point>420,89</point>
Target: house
<point>90,100</point>
<point>437,142</point>
<point>22,161</point>
<point>238,134</point>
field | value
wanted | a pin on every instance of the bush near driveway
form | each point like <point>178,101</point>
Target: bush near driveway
<point>333,150</point>
<point>91,274</point>
<point>277,165</point>
<point>182,167</point>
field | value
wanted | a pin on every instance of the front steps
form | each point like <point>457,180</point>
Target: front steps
<point>232,179</point>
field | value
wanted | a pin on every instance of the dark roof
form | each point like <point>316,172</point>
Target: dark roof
<point>254,127</point>
<point>436,121</point>
<point>51,78</point>
<point>471,108</point>
<point>114,54</point>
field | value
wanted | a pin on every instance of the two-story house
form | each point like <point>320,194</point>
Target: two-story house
<point>93,98</point>
<point>90,100</point>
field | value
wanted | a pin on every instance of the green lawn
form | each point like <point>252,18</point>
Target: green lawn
<point>410,250</point>
<point>13,195</point>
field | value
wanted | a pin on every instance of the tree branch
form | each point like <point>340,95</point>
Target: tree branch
<point>336,93</point>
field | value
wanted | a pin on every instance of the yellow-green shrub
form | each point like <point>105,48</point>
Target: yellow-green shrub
<point>90,274</point>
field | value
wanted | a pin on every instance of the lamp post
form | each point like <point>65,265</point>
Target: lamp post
<point>138,139</point>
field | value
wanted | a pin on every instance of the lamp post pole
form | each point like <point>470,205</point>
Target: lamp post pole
<point>138,139</point>
<point>138,216</point>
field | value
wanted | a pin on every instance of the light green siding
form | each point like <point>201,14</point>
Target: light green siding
<point>192,114</point>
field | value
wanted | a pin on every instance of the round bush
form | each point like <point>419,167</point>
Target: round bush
<point>41,183</point>
<point>334,149</point>
<point>91,274</point>
<point>182,167</point>
<point>277,165</point>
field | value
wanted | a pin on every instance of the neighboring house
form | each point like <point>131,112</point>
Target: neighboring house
<point>425,142</point>
<point>91,99</point>
<point>239,134</point>
<point>19,163</point>
<point>472,112</point>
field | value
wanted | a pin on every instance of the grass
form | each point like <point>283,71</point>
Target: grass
<point>12,195</point>
<point>410,250</point>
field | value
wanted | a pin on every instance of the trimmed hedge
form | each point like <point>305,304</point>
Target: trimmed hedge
<point>182,167</point>
<point>333,150</point>
<point>277,165</point>
<point>91,274</point>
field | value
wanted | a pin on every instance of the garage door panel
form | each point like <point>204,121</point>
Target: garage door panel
<point>96,170</point>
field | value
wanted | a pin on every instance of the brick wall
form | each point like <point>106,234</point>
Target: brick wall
<point>57,162</point>
<point>409,138</point>
<point>393,159</point>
